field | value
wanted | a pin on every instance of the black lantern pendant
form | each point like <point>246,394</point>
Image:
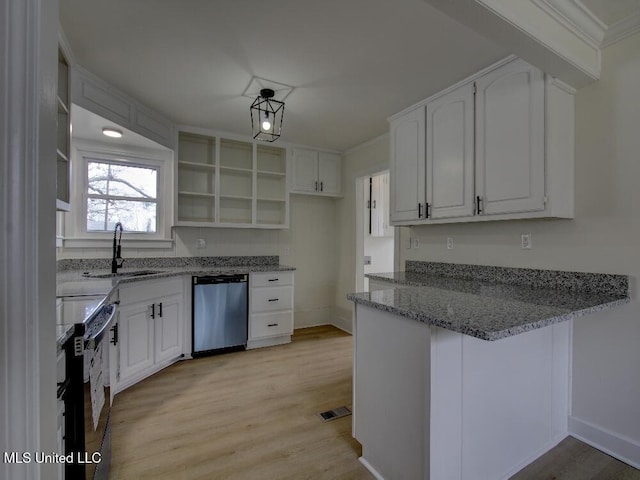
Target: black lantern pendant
<point>266,116</point>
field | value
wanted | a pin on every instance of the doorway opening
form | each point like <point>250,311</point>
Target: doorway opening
<point>375,243</point>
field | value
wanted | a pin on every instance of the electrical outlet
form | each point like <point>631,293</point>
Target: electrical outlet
<point>415,243</point>
<point>449,243</point>
<point>201,243</point>
<point>527,243</point>
<point>286,251</point>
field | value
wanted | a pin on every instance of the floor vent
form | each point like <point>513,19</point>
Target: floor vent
<point>335,413</point>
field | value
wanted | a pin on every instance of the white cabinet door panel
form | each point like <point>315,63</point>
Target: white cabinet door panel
<point>510,139</point>
<point>329,165</point>
<point>407,166</point>
<point>450,154</point>
<point>136,340</point>
<point>305,170</point>
<point>168,328</point>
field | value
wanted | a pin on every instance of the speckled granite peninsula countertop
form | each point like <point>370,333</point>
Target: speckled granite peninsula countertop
<point>493,302</point>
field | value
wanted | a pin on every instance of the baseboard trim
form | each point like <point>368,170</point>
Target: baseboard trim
<point>618,446</point>
<point>372,470</point>
<point>341,328</point>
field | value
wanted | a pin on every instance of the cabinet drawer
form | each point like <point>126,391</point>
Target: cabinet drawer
<point>270,299</point>
<point>271,279</point>
<point>270,324</point>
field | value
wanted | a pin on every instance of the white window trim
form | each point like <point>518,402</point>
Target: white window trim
<point>76,234</point>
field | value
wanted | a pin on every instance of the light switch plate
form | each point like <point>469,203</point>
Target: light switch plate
<point>527,243</point>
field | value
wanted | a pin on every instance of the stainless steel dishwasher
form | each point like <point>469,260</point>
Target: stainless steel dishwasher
<point>220,305</point>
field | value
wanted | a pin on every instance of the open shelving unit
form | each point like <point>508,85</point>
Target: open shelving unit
<point>224,182</point>
<point>63,148</point>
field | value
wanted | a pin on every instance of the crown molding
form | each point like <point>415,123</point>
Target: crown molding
<point>577,18</point>
<point>622,29</point>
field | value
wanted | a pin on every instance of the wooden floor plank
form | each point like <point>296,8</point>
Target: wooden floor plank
<point>242,415</point>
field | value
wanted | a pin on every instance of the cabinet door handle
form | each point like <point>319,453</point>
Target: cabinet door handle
<point>426,210</point>
<point>274,299</point>
<point>321,186</point>
<point>374,204</point>
<point>160,309</point>
<point>272,325</point>
<point>114,339</point>
<point>478,209</point>
<point>153,310</point>
<point>273,279</point>
<point>316,185</point>
<point>419,210</point>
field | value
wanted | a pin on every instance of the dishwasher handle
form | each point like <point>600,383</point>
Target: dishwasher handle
<point>216,279</point>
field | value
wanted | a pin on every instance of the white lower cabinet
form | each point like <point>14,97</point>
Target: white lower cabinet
<point>270,308</point>
<point>150,328</point>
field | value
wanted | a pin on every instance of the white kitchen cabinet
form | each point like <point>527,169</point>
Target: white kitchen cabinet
<point>270,308</point>
<point>504,152</point>
<point>407,166</point>
<point>222,182</point>
<point>150,329</point>
<point>510,144</point>
<point>449,155</point>
<point>317,173</point>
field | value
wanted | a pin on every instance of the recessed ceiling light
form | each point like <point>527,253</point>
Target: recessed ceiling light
<point>111,132</point>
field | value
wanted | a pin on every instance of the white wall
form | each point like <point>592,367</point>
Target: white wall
<point>309,245</point>
<point>368,158</point>
<point>603,237</point>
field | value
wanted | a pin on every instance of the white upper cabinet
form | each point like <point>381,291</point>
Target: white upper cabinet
<point>510,139</point>
<point>496,146</point>
<point>449,174</point>
<point>317,173</point>
<point>407,166</point>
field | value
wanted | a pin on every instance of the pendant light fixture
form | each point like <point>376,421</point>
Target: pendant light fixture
<point>266,116</point>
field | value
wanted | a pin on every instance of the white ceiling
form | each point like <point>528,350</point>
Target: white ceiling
<point>612,11</point>
<point>352,63</point>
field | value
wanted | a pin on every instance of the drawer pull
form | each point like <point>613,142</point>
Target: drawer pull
<point>272,325</point>
<point>274,299</point>
<point>273,279</point>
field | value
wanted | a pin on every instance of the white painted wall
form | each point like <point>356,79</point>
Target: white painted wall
<point>369,158</point>
<point>603,237</point>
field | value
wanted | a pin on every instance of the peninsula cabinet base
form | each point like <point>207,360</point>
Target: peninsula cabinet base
<point>431,403</point>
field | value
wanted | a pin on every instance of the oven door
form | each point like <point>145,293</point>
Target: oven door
<point>97,400</point>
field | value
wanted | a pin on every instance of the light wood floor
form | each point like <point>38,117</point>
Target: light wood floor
<point>243,415</point>
<point>254,415</point>
<point>572,459</point>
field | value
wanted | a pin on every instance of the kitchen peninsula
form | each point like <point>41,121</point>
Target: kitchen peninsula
<point>462,371</point>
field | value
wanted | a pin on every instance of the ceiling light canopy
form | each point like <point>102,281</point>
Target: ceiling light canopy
<point>112,132</point>
<point>266,116</point>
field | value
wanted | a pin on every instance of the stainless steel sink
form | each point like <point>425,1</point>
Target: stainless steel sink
<point>136,273</point>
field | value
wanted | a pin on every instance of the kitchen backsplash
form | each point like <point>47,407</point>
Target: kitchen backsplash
<point>165,262</point>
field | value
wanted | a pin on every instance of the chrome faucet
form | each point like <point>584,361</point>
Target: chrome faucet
<point>117,249</point>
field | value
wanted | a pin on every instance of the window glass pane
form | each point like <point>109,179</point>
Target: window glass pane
<point>121,180</point>
<point>135,216</point>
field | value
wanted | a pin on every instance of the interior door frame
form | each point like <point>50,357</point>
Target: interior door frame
<point>359,225</point>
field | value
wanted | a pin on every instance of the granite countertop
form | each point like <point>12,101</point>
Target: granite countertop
<point>81,292</point>
<point>493,310</point>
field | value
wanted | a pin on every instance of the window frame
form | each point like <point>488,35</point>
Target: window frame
<point>125,163</point>
<point>76,233</point>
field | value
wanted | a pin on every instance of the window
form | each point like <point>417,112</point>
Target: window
<point>121,192</point>
<point>131,185</point>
